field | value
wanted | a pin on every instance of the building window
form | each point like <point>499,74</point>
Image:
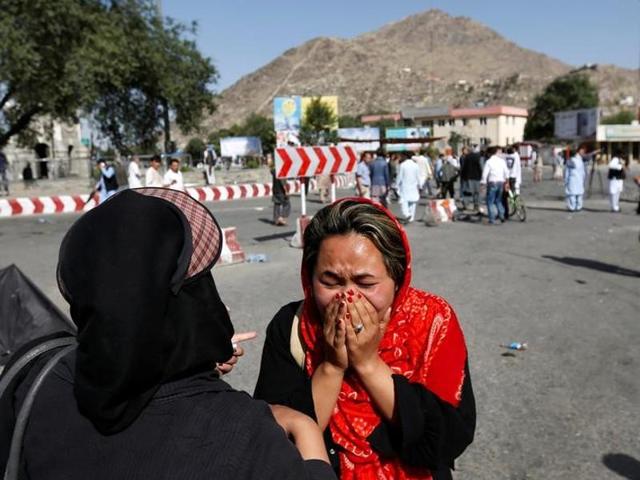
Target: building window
<point>452,122</point>
<point>464,122</point>
<point>427,123</point>
<point>483,120</point>
<point>441,123</point>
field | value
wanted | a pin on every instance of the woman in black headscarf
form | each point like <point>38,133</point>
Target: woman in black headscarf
<point>140,398</point>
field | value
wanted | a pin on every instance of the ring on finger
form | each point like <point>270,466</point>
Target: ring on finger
<point>358,328</point>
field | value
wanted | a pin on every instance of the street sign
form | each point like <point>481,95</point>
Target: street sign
<point>310,161</point>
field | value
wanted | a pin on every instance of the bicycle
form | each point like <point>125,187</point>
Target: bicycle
<point>517,206</point>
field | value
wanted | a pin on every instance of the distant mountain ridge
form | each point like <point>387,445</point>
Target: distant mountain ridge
<point>425,59</point>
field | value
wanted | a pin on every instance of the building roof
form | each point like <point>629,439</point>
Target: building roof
<point>490,111</point>
<point>382,116</point>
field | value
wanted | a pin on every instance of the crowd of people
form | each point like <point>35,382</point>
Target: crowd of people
<point>108,185</point>
<point>406,177</point>
<point>496,172</point>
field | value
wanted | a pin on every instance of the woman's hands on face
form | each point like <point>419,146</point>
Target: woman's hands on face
<point>334,330</point>
<point>364,331</point>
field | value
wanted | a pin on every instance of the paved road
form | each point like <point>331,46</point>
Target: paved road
<point>567,284</point>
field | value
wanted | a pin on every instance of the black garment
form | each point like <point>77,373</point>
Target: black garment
<point>430,432</point>
<point>140,321</point>
<point>505,196</point>
<point>195,428</point>
<point>447,188</point>
<point>471,167</point>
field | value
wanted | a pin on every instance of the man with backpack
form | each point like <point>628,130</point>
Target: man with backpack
<point>449,174</point>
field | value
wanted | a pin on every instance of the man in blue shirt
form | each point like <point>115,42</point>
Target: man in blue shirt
<point>363,176</point>
<point>380,178</point>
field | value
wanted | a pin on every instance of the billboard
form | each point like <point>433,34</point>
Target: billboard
<point>366,133</point>
<point>618,133</point>
<point>411,132</point>
<point>287,119</point>
<point>576,124</point>
<point>331,101</point>
<point>240,146</point>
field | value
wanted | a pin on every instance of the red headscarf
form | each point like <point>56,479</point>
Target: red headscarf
<point>423,342</point>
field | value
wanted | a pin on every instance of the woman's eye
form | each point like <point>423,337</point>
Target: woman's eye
<point>367,285</point>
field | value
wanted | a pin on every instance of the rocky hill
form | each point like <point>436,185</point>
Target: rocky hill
<point>426,59</point>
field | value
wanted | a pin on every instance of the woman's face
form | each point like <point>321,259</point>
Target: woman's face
<point>352,262</point>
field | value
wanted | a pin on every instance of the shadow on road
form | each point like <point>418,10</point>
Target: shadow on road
<point>275,236</point>
<point>622,464</point>
<point>594,265</point>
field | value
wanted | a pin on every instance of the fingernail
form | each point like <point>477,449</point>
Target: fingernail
<point>350,292</point>
<point>350,299</point>
<point>337,296</point>
<point>348,315</point>
<point>359,295</point>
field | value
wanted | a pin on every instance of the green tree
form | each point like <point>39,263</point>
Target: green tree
<point>195,148</point>
<point>318,124</point>
<point>115,60</point>
<point>347,121</point>
<point>260,126</point>
<point>568,92</point>
<point>624,117</point>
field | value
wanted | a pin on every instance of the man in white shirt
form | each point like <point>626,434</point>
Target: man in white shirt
<point>133,173</point>
<point>153,177</point>
<point>408,183</point>
<point>515,177</point>
<point>494,175</point>
<point>173,177</point>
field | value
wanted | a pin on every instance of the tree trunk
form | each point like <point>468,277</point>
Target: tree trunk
<point>20,124</point>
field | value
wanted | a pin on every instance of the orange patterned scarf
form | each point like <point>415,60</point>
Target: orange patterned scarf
<point>423,342</point>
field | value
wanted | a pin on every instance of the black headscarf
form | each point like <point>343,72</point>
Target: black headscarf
<point>144,316</point>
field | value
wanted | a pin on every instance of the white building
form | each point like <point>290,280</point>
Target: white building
<point>493,125</point>
<point>60,150</point>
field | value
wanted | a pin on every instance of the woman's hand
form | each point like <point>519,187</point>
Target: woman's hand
<point>304,432</point>
<point>238,351</point>
<point>364,332</point>
<point>334,330</point>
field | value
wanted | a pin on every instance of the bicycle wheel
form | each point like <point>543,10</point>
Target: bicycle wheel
<point>512,205</point>
<point>521,210</point>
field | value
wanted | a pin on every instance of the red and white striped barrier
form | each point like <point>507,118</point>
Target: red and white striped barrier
<point>76,203</point>
<point>442,210</point>
<point>231,250</point>
<point>310,161</point>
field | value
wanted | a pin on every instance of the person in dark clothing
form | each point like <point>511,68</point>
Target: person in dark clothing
<point>139,397</point>
<point>4,171</point>
<point>470,175</point>
<point>381,366</point>
<point>279,196</point>
<point>380,178</point>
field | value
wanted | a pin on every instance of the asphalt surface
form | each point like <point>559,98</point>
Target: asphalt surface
<point>567,284</point>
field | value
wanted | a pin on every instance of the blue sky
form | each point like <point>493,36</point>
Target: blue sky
<point>242,35</point>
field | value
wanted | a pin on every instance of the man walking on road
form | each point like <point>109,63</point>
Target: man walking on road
<point>363,176</point>
<point>494,175</point>
<point>408,187</point>
<point>380,179</point>
<point>471,174</point>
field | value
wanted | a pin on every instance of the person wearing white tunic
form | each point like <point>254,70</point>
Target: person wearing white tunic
<point>133,173</point>
<point>574,175</point>
<point>153,177</point>
<point>408,182</point>
<point>173,176</point>
<point>616,181</point>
